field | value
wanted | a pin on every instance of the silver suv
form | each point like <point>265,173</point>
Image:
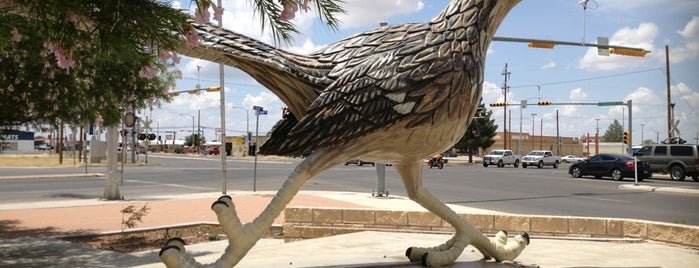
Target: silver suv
<point>678,160</point>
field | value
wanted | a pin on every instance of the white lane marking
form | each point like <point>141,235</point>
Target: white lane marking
<point>170,184</point>
<point>603,199</point>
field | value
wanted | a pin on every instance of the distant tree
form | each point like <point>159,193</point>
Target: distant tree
<point>614,133</point>
<point>648,142</point>
<point>479,133</point>
<point>194,140</point>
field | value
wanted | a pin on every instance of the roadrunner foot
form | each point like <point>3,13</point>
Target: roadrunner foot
<point>499,248</point>
<point>241,238</point>
<point>504,250</point>
<point>444,254</point>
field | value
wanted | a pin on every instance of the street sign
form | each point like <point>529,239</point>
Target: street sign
<point>611,103</point>
<point>257,108</point>
<point>262,112</point>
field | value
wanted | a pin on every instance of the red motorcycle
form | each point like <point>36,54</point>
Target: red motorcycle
<point>435,161</point>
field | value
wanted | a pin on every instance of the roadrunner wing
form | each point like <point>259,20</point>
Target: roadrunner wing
<point>296,79</point>
<point>402,73</point>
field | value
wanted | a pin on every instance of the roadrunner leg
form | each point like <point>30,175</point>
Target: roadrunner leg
<point>242,237</point>
<point>447,253</point>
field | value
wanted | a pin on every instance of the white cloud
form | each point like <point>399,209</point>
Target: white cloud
<point>690,49</point>
<point>263,99</point>
<point>617,6</point>
<point>640,37</point>
<point>270,102</point>
<point>362,13</point>
<point>491,92</point>
<point>549,65</point>
<point>688,95</point>
<point>577,95</point>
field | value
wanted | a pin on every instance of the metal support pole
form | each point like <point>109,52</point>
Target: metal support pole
<point>380,189</point>
<point>257,139</point>
<point>222,100</point>
<point>532,136</point>
<point>541,134</point>
<point>519,141</point>
<point>629,104</point>
<point>133,142</point>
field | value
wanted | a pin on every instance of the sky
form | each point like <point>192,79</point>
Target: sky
<point>565,74</point>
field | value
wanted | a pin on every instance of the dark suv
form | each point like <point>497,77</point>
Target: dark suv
<point>678,160</point>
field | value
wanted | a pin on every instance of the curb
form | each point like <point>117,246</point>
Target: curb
<point>52,176</point>
<point>646,188</point>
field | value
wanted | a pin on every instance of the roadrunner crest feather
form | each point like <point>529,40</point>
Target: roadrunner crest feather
<point>393,94</point>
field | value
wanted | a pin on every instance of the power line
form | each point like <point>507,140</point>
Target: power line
<point>684,98</point>
<point>586,79</point>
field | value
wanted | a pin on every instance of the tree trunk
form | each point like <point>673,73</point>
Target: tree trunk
<point>111,188</point>
<point>470,155</point>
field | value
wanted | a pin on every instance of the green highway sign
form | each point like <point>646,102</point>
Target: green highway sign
<point>611,103</point>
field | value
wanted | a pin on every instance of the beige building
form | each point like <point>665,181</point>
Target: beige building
<point>528,142</point>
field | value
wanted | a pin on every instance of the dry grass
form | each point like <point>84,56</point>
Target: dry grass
<point>37,160</point>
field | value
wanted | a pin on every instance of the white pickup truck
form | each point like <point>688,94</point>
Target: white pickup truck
<point>541,158</point>
<point>501,158</point>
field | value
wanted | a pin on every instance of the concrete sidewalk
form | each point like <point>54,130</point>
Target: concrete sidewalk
<point>363,249</point>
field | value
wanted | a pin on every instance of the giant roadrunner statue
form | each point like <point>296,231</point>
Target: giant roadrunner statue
<point>396,93</point>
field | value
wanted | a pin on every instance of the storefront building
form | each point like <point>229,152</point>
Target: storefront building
<point>16,142</point>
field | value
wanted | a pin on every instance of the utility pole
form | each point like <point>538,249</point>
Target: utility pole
<point>669,101</point>
<point>597,137</point>
<point>558,136</point>
<point>199,131</point>
<point>505,88</point>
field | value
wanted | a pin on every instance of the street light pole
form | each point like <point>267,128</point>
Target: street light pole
<point>192,116</point>
<point>532,137</point>
<point>597,137</point>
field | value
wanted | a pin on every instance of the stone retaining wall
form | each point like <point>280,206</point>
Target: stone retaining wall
<point>306,222</point>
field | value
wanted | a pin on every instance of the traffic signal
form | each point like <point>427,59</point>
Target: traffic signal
<point>214,88</point>
<point>173,94</point>
<point>541,45</point>
<point>626,137</point>
<point>498,104</point>
<point>193,91</point>
<point>629,52</point>
<point>544,103</point>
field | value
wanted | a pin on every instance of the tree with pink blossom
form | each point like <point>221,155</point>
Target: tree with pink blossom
<point>56,53</point>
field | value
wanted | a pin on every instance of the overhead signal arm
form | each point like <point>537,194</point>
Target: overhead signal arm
<point>195,91</point>
<point>549,44</point>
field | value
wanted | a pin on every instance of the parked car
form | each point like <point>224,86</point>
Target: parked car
<point>615,166</point>
<point>359,162</point>
<point>540,158</point>
<point>44,147</point>
<point>678,160</point>
<point>213,150</point>
<point>571,159</point>
<point>501,158</point>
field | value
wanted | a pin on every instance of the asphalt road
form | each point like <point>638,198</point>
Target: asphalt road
<point>526,191</point>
